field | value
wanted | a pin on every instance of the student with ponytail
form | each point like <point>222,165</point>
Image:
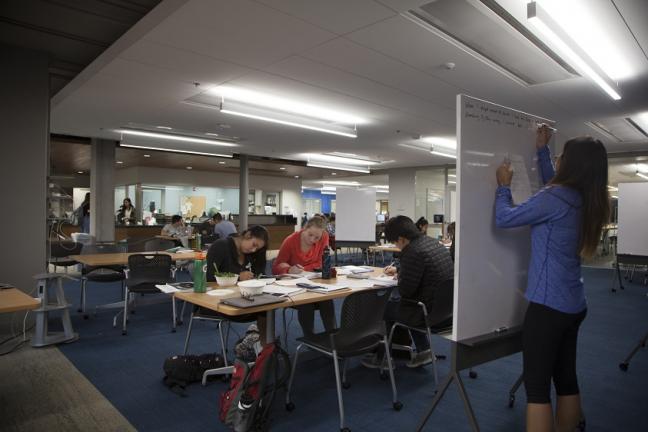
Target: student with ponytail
<point>566,219</point>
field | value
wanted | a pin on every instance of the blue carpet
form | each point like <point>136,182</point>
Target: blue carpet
<point>128,370</point>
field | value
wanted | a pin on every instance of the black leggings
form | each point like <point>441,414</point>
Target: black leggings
<point>549,348</point>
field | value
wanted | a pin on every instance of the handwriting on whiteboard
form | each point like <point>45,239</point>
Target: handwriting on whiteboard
<point>500,116</point>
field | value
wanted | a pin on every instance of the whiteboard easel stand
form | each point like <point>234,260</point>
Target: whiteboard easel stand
<point>469,353</point>
<point>628,260</point>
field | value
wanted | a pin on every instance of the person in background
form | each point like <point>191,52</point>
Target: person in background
<point>304,219</point>
<point>126,213</point>
<point>302,251</point>
<point>207,227</point>
<point>83,213</point>
<point>175,228</point>
<point>424,265</point>
<point>243,254</point>
<point>330,226</point>
<point>451,238</point>
<point>566,219</point>
<point>223,228</point>
<point>422,225</point>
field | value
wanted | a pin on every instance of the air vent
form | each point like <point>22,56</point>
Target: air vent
<point>483,29</point>
<point>620,129</point>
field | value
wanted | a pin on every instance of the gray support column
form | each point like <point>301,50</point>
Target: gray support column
<point>139,202</point>
<point>102,190</point>
<point>24,125</point>
<point>244,189</point>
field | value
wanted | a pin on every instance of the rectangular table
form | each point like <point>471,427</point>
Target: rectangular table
<point>13,300</point>
<point>121,258</point>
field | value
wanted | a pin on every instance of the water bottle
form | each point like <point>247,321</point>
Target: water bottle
<point>198,241</point>
<point>199,275</point>
<point>326,264</point>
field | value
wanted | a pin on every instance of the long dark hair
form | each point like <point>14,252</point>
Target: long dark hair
<point>258,258</point>
<point>583,166</point>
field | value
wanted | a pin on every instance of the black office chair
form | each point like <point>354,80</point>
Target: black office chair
<point>362,330</point>
<point>144,272</point>
<point>100,274</point>
<point>437,320</point>
<point>60,252</point>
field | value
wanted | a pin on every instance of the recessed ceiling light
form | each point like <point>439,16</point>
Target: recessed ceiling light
<point>221,162</point>
<point>147,155</point>
<point>189,168</point>
<point>211,134</point>
<point>296,176</point>
<point>120,162</point>
<point>282,168</point>
<point>79,172</point>
<point>333,173</point>
<point>164,127</point>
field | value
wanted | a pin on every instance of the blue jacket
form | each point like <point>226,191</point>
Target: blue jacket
<point>554,214</point>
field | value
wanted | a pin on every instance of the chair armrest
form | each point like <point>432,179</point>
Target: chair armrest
<point>418,303</point>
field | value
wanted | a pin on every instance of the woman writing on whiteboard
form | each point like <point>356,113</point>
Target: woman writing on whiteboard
<point>566,219</point>
<point>302,251</point>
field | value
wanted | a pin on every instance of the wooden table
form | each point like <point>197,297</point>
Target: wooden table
<point>12,300</point>
<point>121,258</point>
<point>382,249</point>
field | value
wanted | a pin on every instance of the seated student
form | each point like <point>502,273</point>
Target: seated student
<point>243,254</point>
<point>206,228</point>
<point>175,228</point>
<point>223,228</point>
<point>422,225</point>
<point>424,264</point>
<point>302,251</point>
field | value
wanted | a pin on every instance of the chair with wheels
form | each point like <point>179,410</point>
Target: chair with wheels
<point>362,330</point>
<point>60,252</point>
<point>154,245</point>
<point>100,274</point>
<point>437,320</point>
<point>144,272</point>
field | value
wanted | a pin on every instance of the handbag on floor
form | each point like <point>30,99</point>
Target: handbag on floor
<point>245,407</point>
<point>182,370</point>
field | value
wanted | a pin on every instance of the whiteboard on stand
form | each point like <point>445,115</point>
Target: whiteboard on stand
<point>632,235</point>
<point>491,263</point>
<point>355,216</point>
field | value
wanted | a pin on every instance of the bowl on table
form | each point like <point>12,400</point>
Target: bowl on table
<point>251,287</point>
<point>224,281</point>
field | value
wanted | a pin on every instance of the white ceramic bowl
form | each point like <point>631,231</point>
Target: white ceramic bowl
<point>226,281</point>
<point>251,287</point>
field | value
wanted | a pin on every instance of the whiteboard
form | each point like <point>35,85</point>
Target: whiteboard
<point>491,263</point>
<point>632,237</point>
<point>355,215</point>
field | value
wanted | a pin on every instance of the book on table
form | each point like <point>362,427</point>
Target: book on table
<point>322,288</point>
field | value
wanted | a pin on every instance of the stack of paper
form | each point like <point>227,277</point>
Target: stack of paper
<point>323,288</point>
<point>351,269</point>
<point>304,274</point>
<point>282,291</point>
<point>384,280</point>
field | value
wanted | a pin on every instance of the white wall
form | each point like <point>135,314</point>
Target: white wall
<point>290,187</point>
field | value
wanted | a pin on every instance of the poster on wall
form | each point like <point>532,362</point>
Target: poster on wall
<point>192,206</point>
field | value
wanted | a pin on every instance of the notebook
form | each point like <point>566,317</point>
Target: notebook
<point>255,301</point>
<point>323,288</point>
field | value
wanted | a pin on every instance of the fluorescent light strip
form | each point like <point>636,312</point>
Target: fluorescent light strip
<point>340,182</point>
<point>543,22</point>
<point>174,137</point>
<point>340,159</point>
<point>642,175</point>
<point>354,169</point>
<point>327,193</point>
<point>435,152</point>
<point>242,110</point>
<point>137,146</point>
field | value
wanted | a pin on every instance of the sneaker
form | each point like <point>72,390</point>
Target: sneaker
<point>371,361</point>
<point>420,359</point>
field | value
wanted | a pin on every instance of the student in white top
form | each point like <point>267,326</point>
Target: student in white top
<point>175,228</point>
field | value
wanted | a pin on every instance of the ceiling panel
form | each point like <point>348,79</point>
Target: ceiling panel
<point>239,31</point>
<point>336,16</point>
<point>634,12</point>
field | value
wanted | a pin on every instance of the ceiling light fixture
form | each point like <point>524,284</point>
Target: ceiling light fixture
<point>340,182</point>
<point>287,119</point>
<point>352,169</point>
<point>327,193</point>
<point>640,122</point>
<point>440,153</point>
<point>576,56</point>
<point>119,162</point>
<point>164,127</point>
<point>449,143</point>
<point>642,175</point>
<point>333,173</point>
<point>174,137</point>
<point>329,157</point>
<point>189,168</point>
<point>221,162</point>
<point>79,172</point>
<point>137,146</point>
<point>146,155</point>
<point>282,168</point>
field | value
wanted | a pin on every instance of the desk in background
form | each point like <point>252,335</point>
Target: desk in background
<point>14,300</point>
<point>121,258</point>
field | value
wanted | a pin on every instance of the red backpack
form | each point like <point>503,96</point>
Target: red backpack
<point>246,405</point>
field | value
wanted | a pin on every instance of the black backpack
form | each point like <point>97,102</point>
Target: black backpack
<point>182,370</point>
